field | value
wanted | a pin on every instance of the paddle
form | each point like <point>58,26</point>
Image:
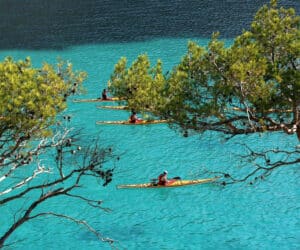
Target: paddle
<point>176,178</point>
<point>154,181</point>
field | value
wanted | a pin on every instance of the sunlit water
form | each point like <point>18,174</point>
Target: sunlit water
<point>260,216</point>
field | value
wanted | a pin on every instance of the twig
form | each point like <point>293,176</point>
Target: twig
<point>82,222</point>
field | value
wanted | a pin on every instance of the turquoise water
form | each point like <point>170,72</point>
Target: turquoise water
<point>93,35</point>
<point>261,216</point>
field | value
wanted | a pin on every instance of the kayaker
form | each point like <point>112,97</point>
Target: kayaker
<point>162,178</point>
<point>133,118</point>
<point>104,95</point>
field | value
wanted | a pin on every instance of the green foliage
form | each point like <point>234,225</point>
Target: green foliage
<point>140,84</point>
<point>275,32</point>
<point>31,101</point>
<point>251,86</point>
<point>30,98</point>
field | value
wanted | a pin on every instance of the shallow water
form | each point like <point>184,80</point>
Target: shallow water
<point>260,216</point>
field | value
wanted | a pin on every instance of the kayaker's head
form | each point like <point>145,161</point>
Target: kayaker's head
<point>165,172</point>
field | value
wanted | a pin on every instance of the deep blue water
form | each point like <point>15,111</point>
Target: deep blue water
<point>93,35</point>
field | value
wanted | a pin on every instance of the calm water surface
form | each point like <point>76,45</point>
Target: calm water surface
<point>263,216</point>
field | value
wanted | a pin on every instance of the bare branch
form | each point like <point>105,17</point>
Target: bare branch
<point>81,222</point>
<point>266,166</point>
<point>38,171</point>
<point>93,203</point>
<point>93,160</point>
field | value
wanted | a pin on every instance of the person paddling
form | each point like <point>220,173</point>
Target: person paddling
<point>162,178</point>
<point>133,117</point>
<point>104,95</point>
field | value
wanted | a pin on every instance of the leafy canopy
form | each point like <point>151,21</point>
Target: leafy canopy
<point>31,131</point>
<point>251,86</point>
<point>30,98</point>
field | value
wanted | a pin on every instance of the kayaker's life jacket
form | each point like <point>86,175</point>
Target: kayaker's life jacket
<point>161,179</point>
<point>133,118</point>
<point>104,95</point>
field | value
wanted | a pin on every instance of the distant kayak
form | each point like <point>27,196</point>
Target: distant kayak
<point>121,107</point>
<point>171,183</point>
<point>114,107</point>
<point>113,99</point>
<point>140,122</point>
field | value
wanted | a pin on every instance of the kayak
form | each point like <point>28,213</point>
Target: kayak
<point>116,107</point>
<point>171,183</point>
<point>113,107</point>
<point>140,122</point>
<point>113,99</point>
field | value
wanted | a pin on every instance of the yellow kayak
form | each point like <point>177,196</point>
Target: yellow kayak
<point>113,99</point>
<point>114,107</point>
<point>140,122</point>
<point>171,183</point>
<point>120,107</point>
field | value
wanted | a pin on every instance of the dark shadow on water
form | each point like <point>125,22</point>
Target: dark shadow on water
<point>56,24</point>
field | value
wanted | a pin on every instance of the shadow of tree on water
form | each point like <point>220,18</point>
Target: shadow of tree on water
<point>56,24</point>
